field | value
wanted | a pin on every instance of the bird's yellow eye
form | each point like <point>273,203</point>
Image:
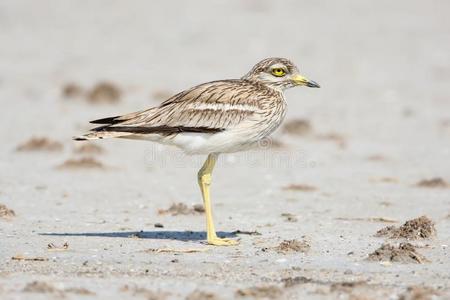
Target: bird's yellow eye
<point>279,72</point>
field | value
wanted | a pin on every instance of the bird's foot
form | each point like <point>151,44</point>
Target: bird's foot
<point>216,241</point>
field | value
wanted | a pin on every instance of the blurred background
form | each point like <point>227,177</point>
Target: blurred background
<point>383,67</point>
<point>378,126</point>
<point>371,58</point>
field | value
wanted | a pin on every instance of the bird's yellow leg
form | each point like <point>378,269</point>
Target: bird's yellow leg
<point>204,180</point>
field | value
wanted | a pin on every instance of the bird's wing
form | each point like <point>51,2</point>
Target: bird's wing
<point>210,107</point>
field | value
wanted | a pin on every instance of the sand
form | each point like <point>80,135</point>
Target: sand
<point>379,125</point>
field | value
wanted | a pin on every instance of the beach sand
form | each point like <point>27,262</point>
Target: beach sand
<point>92,221</point>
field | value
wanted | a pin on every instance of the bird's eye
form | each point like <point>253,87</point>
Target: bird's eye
<point>278,72</point>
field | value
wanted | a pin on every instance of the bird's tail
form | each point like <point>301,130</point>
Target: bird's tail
<point>98,135</point>
<point>108,126</point>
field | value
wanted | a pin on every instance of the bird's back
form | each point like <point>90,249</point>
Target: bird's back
<point>208,108</point>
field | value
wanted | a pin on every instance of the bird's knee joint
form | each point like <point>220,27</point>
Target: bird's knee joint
<point>204,178</point>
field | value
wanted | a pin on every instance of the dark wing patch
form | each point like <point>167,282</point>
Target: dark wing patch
<point>110,120</point>
<point>157,129</point>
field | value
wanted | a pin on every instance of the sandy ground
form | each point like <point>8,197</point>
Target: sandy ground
<point>379,125</point>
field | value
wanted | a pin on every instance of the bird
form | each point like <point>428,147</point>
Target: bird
<point>212,118</point>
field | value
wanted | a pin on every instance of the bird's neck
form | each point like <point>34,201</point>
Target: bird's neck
<point>262,84</point>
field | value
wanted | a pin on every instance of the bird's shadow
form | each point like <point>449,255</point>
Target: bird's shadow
<point>157,235</point>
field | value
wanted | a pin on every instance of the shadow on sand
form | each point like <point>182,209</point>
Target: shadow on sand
<point>159,235</point>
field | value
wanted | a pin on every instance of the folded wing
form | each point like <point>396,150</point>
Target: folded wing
<point>207,108</point>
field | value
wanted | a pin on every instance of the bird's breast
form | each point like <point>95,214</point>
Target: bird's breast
<point>271,116</point>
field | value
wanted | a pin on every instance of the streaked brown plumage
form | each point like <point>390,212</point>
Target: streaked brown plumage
<point>211,118</point>
<point>201,107</point>
<point>254,102</point>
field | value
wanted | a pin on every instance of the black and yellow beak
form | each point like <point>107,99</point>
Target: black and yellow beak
<point>300,80</point>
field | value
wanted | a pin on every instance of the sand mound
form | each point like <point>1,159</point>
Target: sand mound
<point>297,127</point>
<point>89,148</point>
<point>267,292</point>
<point>404,253</point>
<point>82,163</point>
<point>72,90</point>
<point>436,182</point>
<point>419,293</point>
<point>39,287</point>
<point>300,187</point>
<point>5,212</point>
<point>104,92</point>
<point>182,209</point>
<point>201,295</point>
<point>144,292</point>
<point>40,144</point>
<point>419,228</point>
<point>293,246</point>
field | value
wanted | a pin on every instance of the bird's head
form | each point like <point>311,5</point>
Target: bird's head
<point>278,73</point>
